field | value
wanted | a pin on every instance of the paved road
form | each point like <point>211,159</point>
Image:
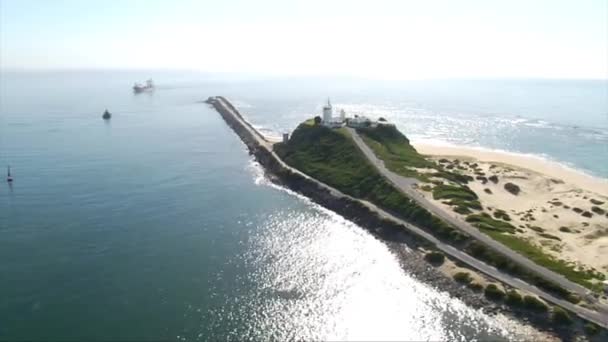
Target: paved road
<point>599,318</point>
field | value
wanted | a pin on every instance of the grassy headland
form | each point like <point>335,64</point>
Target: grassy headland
<point>331,156</point>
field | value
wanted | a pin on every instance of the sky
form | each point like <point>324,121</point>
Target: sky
<point>401,39</point>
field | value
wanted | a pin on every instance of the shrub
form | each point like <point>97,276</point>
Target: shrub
<point>560,316</point>
<point>435,258</point>
<point>477,287</point>
<point>463,277</point>
<point>426,187</point>
<point>565,229</point>
<point>596,202</point>
<point>501,214</point>
<point>494,293</point>
<point>536,229</point>
<point>535,304</point>
<point>462,210</point>
<point>587,214</point>
<point>493,178</point>
<point>598,210</point>
<point>549,236</point>
<point>318,120</point>
<point>514,298</point>
<point>487,191</point>
<point>484,221</point>
<point>512,188</point>
<point>573,298</point>
<point>591,329</point>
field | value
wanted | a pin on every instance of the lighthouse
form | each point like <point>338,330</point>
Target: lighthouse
<point>327,113</point>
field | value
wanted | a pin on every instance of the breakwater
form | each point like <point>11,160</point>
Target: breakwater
<point>327,197</point>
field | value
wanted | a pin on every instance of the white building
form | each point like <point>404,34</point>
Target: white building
<point>360,122</point>
<point>327,113</point>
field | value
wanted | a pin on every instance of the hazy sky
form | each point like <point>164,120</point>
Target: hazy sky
<point>382,39</point>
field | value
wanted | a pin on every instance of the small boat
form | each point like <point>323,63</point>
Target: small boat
<point>9,178</point>
<point>140,88</point>
<point>106,115</point>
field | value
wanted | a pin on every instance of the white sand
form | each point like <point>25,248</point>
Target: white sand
<point>586,244</point>
<point>551,169</point>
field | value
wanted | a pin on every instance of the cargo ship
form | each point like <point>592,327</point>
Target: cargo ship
<point>140,88</point>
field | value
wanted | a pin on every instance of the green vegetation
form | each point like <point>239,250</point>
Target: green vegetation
<point>534,304</point>
<point>481,252</point>
<point>549,236</point>
<point>536,229</point>
<point>565,229</point>
<point>477,287</point>
<point>463,198</point>
<point>486,223</point>
<point>435,258</point>
<point>426,188</point>
<point>512,188</point>
<point>591,329</point>
<point>331,156</point>
<point>494,293</point>
<point>502,215</point>
<point>598,210</point>
<point>395,150</point>
<point>561,316</point>
<point>514,298</point>
<point>463,277</point>
<point>537,255</point>
<point>596,202</point>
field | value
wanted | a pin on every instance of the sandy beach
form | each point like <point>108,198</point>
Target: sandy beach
<point>558,208</point>
<point>540,165</point>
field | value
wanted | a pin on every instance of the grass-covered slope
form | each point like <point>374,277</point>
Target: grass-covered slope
<point>331,156</point>
<point>399,156</point>
<point>394,149</point>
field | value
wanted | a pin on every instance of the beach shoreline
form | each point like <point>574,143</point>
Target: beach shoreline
<point>533,163</point>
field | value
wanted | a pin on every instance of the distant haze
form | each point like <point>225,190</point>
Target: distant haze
<point>377,39</point>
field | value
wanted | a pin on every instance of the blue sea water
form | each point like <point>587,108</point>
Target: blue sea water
<point>159,225</point>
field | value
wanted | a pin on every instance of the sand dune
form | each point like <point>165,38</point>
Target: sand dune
<point>569,207</point>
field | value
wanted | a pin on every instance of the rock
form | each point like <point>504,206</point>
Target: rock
<point>512,188</point>
<point>493,178</point>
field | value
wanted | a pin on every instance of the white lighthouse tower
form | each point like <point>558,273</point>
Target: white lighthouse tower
<point>327,113</point>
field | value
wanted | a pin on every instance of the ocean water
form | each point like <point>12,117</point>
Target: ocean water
<point>159,225</point>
